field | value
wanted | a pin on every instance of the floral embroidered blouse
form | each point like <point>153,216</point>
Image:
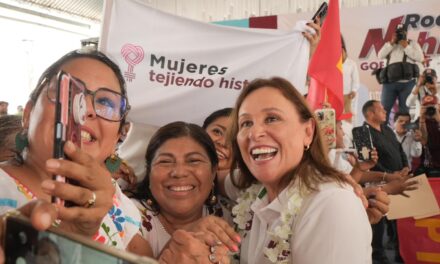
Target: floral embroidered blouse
<point>118,227</point>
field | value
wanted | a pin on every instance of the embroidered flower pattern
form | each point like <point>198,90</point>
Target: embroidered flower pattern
<point>24,190</point>
<point>99,238</point>
<point>278,248</point>
<point>146,221</point>
<point>106,230</point>
<point>117,217</point>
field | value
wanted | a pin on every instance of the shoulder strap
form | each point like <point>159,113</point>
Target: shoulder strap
<point>403,140</point>
<point>404,57</point>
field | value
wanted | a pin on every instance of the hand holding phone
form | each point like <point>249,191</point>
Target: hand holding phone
<point>363,142</point>
<point>70,111</point>
<point>327,123</point>
<point>320,14</point>
<point>24,244</point>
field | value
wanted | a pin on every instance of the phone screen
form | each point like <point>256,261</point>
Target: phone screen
<point>24,244</point>
<point>70,111</point>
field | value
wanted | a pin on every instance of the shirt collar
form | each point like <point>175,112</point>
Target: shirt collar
<point>268,211</point>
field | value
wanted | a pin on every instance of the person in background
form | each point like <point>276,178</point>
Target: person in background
<point>289,185</point>
<point>19,110</point>
<point>399,86</point>
<point>429,125</point>
<point>217,125</point>
<point>392,158</point>
<point>352,167</point>
<point>351,83</point>
<point>10,125</point>
<point>426,86</point>
<point>409,138</point>
<point>3,108</point>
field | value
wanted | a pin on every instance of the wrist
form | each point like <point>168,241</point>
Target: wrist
<point>384,176</point>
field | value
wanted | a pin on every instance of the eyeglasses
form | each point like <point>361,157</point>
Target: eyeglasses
<point>107,104</point>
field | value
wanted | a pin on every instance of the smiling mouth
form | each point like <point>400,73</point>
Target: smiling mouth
<point>185,188</point>
<point>87,137</point>
<point>266,153</point>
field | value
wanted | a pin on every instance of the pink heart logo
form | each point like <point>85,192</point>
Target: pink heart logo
<point>132,54</point>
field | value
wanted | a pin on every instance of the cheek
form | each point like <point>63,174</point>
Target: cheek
<point>156,178</point>
<point>241,141</point>
<point>206,179</point>
<point>41,125</point>
<point>110,133</point>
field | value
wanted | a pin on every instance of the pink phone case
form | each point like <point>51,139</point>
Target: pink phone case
<point>70,112</point>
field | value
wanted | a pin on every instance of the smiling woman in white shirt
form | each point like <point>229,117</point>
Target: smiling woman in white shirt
<point>295,208</point>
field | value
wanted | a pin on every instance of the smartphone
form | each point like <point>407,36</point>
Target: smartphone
<point>24,244</point>
<point>321,13</point>
<point>363,142</point>
<point>326,118</point>
<point>70,112</point>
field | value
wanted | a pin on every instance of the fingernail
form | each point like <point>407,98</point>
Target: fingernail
<point>69,146</point>
<point>238,239</point>
<point>48,185</point>
<point>235,248</point>
<point>46,219</point>
<point>52,164</point>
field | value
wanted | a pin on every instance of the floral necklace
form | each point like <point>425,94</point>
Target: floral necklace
<point>278,248</point>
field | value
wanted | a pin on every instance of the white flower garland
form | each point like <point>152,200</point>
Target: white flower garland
<point>278,249</point>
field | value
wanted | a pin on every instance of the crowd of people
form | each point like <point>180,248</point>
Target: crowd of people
<point>255,184</point>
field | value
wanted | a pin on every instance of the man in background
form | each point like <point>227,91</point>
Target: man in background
<point>392,158</point>
<point>409,136</point>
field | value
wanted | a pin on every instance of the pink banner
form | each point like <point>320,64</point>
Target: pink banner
<point>420,239</point>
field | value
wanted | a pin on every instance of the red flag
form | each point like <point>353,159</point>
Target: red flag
<point>325,68</point>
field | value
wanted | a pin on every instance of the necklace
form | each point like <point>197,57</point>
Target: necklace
<point>278,248</point>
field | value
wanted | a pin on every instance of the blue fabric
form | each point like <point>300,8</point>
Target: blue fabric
<point>393,91</point>
<point>8,202</point>
<point>243,23</point>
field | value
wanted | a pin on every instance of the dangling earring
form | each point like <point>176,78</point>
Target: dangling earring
<point>113,163</point>
<point>212,197</point>
<point>307,147</point>
<point>21,141</point>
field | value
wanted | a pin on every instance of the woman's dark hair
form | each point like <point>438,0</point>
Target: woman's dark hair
<point>225,112</point>
<point>75,54</point>
<point>165,133</point>
<point>314,167</point>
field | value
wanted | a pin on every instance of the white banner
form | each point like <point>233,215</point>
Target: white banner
<point>366,29</point>
<point>180,69</point>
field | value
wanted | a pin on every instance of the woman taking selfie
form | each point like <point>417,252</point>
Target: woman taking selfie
<point>296,208</point>
<point>100,209</point>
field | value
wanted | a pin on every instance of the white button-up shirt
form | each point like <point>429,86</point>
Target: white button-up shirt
<point>332,227</point>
